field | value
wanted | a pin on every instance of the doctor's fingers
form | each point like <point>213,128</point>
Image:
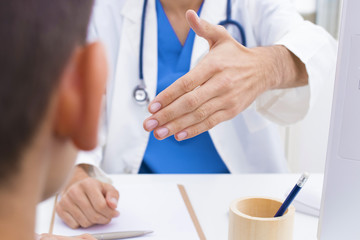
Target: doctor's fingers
<point>212,33</point>
<point>194,117</point>
<point>206,125</point>
<point>183,105</point>
<point>187,83</point>
<point>65,208</point>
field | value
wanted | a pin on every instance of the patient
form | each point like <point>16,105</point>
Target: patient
<point>51,85</point>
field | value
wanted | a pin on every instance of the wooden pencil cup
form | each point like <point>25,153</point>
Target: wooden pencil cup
<point>252,218</point>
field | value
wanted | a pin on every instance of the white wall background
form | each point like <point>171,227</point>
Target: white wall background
<point>306,142</point>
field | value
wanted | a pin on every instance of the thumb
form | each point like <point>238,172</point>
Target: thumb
<point>212,33</point>
<point>111,195</point>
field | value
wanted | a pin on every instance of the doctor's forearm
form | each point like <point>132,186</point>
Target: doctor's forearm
<point>283,69</point>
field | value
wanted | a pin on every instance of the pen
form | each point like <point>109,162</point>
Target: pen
<point>304,177</point>
<point>119,235</point>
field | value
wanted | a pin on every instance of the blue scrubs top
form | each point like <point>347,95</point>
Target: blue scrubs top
<point>196,155</point>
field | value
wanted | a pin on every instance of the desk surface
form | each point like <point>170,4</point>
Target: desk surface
<point>211,196</point>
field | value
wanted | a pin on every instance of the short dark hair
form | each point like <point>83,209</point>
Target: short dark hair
<point>37,38</point>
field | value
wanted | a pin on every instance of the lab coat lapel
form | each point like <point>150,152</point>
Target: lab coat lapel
<point>133,11</point>
<point>127,140</point>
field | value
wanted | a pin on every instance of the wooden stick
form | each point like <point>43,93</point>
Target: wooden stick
<point>53,216</point>
<point>191,212</point>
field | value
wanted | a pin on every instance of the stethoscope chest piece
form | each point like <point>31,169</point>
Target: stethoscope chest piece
<point>140,95</point>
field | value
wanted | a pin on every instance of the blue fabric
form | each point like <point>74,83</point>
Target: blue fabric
<point>196,155</point>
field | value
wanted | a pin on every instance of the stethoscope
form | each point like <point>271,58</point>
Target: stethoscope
<point>141,96</point>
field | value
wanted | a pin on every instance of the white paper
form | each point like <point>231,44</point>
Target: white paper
<point>156,207</point>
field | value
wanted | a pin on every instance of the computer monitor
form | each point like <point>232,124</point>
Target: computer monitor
<point>340,209</point>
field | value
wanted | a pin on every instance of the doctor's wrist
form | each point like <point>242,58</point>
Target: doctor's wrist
<point>287,70</point>
<point>280,68</point>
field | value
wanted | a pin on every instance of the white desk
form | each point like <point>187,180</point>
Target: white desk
<point>211,195</point>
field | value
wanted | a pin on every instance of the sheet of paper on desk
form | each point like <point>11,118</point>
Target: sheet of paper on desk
<point>156,207</point>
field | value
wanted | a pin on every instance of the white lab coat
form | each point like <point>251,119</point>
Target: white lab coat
<point>248,143</point>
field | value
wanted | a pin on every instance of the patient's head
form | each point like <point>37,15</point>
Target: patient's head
<point>51,85</point>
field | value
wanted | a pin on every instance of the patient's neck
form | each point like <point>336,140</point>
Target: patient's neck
<point>17,215</point>
<point>19,197</point>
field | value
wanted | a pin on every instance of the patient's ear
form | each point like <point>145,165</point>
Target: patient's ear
<point>80,92</point>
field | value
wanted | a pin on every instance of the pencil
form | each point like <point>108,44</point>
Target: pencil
<point>304,177</point>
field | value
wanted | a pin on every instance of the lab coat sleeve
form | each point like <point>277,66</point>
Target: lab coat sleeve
<point>277,22</point>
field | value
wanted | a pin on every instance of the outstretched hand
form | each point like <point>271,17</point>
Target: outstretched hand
<point>224,83</point>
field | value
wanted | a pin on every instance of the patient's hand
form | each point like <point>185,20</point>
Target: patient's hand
<point>87,201</point>
<point>55,237</point>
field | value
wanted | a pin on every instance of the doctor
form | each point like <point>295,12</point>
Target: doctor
<point>214,95</point>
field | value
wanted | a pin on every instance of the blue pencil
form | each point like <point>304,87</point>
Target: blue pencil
<point>304,177</point>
